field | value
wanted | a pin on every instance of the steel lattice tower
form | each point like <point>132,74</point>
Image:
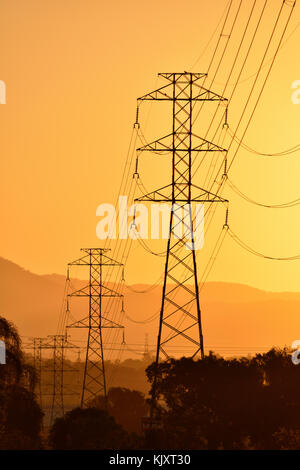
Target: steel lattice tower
<point>59,344</point>
<point>37,362</point>
<point>180,314</point>
<point>57,405</point>
<point>94,381</point>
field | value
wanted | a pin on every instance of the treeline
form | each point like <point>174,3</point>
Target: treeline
<point>128,373</point>
<point>214,403</point>
<point>20,414</point>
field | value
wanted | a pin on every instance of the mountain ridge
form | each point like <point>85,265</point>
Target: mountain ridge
<point>233,314</point>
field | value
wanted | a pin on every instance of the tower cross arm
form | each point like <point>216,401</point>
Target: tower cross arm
<point>161,94</point>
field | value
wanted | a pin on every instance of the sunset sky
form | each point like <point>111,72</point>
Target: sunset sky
<point>73,71</point>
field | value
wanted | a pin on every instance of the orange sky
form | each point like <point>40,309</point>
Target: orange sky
<point>73,71</point>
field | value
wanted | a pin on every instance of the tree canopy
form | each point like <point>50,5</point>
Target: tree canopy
<point>216,403</point>
<point>20,415</point>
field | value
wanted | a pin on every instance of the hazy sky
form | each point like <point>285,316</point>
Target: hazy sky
<point>73,70</point>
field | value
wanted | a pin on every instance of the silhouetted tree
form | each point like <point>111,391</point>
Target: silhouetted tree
<point>89,428</point>
<point>240,403</point>
<point>280,410</point>
<point>20,415</point>
<point>126,406</point>
<point>21,419</point>
<point>12,371</point>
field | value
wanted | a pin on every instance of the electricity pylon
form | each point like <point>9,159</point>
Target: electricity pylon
<point>146,347</point>
<point>36,345</point>
<point>58,343</point>
<point>37,362</point>
<point>180,314</point>
<point>94,380</point>
<point>56,368</point>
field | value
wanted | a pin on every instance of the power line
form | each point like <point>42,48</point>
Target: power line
<point>285,205</point>
<point>257,253</point>
<point>288,151</point>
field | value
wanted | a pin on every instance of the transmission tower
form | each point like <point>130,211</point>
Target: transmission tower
<point>56,368</point>
<point>180,314</point>
<point>146,347</point>
<point>94,381</point>
<point>58,344</point>
<point>37,362</point>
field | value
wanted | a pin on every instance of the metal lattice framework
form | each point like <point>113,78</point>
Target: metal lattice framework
<point>37,362</point>
<point>55,370</point>
<point>59,344</point>
<point>94,380</point>
<point>180,315</point>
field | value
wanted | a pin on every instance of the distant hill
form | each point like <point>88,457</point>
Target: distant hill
<point>236,318</point>
<point>31,301</point>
